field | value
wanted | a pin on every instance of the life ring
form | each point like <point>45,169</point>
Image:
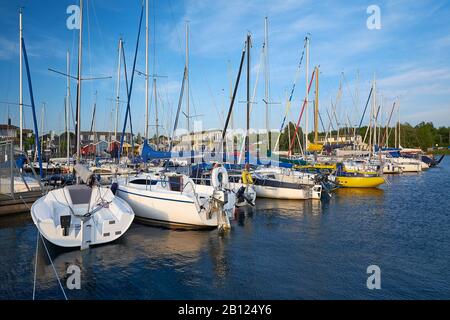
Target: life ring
<point>216,183</point>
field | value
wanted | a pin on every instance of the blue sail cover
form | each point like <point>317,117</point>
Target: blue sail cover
<point>148,153</point>
<point>395,154</point>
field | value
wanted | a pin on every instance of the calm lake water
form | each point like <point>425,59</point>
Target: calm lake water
<point>277,250</point>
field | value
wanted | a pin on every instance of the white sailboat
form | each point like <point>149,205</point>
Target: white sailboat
<point>81,215</point>
<point>172,199</point>
<point>271,183</point>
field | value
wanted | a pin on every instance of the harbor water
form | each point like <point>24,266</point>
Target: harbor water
<point>276,250</point>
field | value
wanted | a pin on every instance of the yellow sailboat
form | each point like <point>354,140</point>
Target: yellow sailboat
<point>359,182</point>
<point>357,179</point>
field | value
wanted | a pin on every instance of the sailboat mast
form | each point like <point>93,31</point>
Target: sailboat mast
<point>374,115</point>
<point>42,126</point>
<point>20,81</point>
<point>156,114</point>
<point>68,107</point>
<point>187,77</point>
<point>146,71</point>
<point>398,123</point>
<point>118,90</point>
<point>78,113</point>
<point>306,92</point>
<point>266,78</point>
<point>316,108</point>
<point>247,142</point>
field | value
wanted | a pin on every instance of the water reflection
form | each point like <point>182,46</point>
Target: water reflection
<point>289,208</point>
<point>143,248</point>
<point>346,193</point>
<point>15,221</point>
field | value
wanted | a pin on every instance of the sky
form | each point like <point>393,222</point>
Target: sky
<point>409,57</point>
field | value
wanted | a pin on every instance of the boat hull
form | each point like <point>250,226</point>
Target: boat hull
<point>105,225</point>
<point>359,182</point>
<point>287,193</point>
<point>161,209</point>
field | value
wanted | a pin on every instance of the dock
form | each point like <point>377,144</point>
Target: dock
<point>21,202</point>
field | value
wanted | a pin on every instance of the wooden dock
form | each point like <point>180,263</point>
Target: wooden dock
<point>21,202</point>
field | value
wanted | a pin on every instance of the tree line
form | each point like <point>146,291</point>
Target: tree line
<point>424,135</point>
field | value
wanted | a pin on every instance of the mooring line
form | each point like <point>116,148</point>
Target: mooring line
<point>49,257</point>
<point>53,266</point>
<point>35,265</point>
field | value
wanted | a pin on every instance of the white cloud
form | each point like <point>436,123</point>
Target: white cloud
<point>8,49</point>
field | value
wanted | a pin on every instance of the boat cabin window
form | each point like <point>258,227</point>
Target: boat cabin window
<point>144,182</point>
<point>176,183</point>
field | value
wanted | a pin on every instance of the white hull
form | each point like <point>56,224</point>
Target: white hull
<point>158,204</point>
<point>288,193</point>
<point>410,167</point>
<point>391,168</point>
<point>110,217</point>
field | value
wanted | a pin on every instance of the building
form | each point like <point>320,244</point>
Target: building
<point>12,132</point>
<point>201,141</point>
<point>8,131</point>
<point>88,137</point>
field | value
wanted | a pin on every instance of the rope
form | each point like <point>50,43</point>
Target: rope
<point>35,265</point>
<point>53,266</point>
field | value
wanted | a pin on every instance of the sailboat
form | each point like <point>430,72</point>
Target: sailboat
<point>356,178</point>
<point>79,215</point>
<point>174,200</point>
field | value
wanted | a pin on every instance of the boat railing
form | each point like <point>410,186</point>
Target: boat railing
<point>9,171</point>
<point>197,202</point>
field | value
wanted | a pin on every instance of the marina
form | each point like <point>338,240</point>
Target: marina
<point>136,185</point>
<point>303,249</point>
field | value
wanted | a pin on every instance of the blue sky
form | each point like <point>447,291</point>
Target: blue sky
<point>409,55</point>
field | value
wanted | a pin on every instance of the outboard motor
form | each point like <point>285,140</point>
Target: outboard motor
<point>65,224</point>
<point>114,188</point>
<point>240,194</point>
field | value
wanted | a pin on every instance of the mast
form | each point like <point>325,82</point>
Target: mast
<point>374,104</point>
<point>118,90</point>
<point>306,93</point>
<point>316,107</point>
<point>78,113</point>
<point>146,73</point>
<point>399,126</point>
<point>68,108</point>
<point>396,133</point>
<point>42,125</point>
<point>247,142</point>
<point>156,115</point>
<point>266,78</point>
<point>187,76</point>
<point>20,80</point>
